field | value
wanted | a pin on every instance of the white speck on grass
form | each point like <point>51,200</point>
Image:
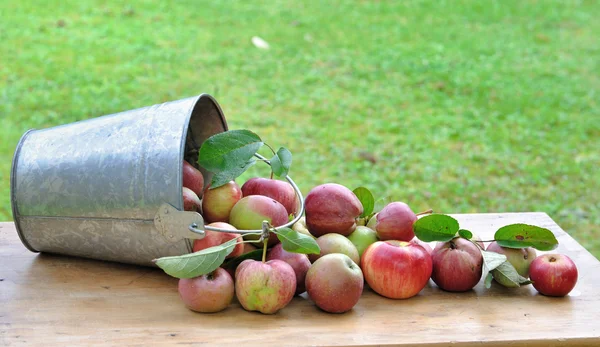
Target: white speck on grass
<point>260,43</point>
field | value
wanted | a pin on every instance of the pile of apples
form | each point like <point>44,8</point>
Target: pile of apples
<point>383,251</point>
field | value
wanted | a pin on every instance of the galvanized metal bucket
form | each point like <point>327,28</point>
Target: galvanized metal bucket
<point>109,188</point>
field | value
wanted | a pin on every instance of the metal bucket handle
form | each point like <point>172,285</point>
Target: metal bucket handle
<point>170,218</point>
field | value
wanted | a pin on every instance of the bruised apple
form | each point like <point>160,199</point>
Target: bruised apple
<point>264,287</point>
<point>331,208</point>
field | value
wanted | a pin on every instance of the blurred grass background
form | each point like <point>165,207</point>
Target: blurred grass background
<point>459,106</point>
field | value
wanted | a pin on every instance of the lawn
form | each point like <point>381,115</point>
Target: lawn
<point>459,106</point>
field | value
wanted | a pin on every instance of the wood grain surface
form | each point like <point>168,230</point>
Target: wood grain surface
<point>56,300</point>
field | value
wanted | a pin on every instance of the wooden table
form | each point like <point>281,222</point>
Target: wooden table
<point>57,300</point>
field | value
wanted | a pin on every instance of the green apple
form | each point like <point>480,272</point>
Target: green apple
<point>362,237</point>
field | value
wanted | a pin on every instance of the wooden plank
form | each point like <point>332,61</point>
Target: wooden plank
<point>56,300</point>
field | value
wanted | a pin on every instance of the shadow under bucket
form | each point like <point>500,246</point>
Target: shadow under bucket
<point>93,188</point>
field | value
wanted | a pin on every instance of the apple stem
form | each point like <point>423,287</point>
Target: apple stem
<point>264,256</point>
<point>430,211</point>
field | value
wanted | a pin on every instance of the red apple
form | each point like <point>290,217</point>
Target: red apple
<point>520,258</point>
<point>281,191</point>
<point>264,287</point>
<point>425,245</point>
<point>250,212</point>
<point>456,265</point>
<point>335,243</point>
<point>191,202</point>
<point>396,269</point>
<point>217,203</point>
<point>395,222</point>
<point>193,179</point>
<point>335,283</point>
<point>331,208</point>
<point>298,262</point>
<point>553,274</point>
<point>215,238</point>
<point>208,293</point>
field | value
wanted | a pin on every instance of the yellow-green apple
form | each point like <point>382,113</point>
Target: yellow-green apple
<point>207,293</point>
<point>335,283</point>
<point>264,287</point>
<point>250,212</point>
<point>331,208</point>
<point>520,258</point>
<point>215,238</point>
<point>300,226</point>
<point>191,202</point>
<point>372,221</point>
<point>193,179</point>
<point>456,265</point>
<point>335,243</point>
<point>362,237</point>
<point>298,262</point>
<point>425,245</point>
<point>281,191</point>
<point>553,274</point>
<point>395,222</point>
<point>396,269</point>
<point>218,202</point>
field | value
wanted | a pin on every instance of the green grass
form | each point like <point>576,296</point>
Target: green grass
<point>464,106</point>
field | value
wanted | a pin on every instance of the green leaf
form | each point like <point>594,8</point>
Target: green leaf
<point>506,275</point>
<point>492,260</point>
<point>220,178</point>
<point>466,234</point>
<point>524,235</point>
<point>436,227</point>
<point>281,162</point>
<point>488,280</point>
<point>233,263</point>
<point>367,200</point>
<point>295,242</point>
<point>196,264</point>
<point>229,150</point>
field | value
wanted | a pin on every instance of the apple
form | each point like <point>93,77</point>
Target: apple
<point>208,293</point>
<point>217,203</point>
<point>215,238</point>
<point>193,179</point>
<point>250,212</point>
<point>335,283</point>
<point>281,191</point>
<point>248,247</point>
<point>520,258</point>
<point>553,274</point>
<point>396,269</point>
<point>300,227</point>
<point>457,265</point>
<point>331,208</point>
<point>298,262</point>
<point>395,222</point>
<point>362,237</point>
<point>425,245</point>
<point>372,221</point>
<point>191,202</point>
<point>264,287</point>
<point>478,240</point>
<point>335,243</point>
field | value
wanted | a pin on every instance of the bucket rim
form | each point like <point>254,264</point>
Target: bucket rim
<point>13,194</point>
